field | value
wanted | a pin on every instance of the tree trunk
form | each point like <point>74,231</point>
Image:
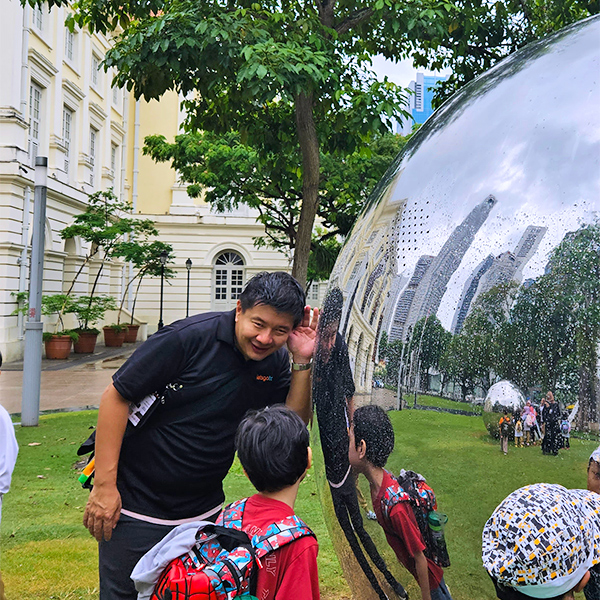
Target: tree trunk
<point>309,147</point>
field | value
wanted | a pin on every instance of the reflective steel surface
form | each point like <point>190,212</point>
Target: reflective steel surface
<point>481,196</point>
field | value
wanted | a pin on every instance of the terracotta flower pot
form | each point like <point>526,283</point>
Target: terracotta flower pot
<point>86,344</point>
<point>58,347</point>
<point>131,335</point>
<point>113,338</point>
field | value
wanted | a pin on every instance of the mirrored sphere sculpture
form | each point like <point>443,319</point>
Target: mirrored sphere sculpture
<point>502,396</point>
<point>466,225</point>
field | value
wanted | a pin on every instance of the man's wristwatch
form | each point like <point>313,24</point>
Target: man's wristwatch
<point>301,366</point>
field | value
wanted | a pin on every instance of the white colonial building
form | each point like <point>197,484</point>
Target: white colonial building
<point>56,101</point>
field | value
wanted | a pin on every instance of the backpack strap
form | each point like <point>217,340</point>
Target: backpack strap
<point>232,515</point>
<point>280,534</point>
<point>393,494</point>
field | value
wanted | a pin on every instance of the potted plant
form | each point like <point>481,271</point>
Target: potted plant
<point>114,335</point>
<point>89,310</point>
<point>58,342</point>
<point>58,345</point>
<point>147,258</point>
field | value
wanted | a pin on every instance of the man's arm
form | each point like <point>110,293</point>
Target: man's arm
<point>301,343</point>
<point>104,504</point>
<point>422,575</point>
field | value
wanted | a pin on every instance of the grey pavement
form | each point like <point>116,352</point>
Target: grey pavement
<point>77,382</point>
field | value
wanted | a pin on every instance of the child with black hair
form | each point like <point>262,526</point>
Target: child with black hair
<point>273,448</point>
<point>371,443</point>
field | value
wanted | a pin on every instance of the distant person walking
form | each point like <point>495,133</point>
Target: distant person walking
<point>550,442</point>
<point>8,457</point>
<point>565,431</point>
<point>504,426</point>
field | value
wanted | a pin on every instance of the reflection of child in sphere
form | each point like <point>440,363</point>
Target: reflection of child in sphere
<point>519,433</point>
<point>333,392</point>
<point>593,472</point>
<point>504,427</point>
<point>543,541</point>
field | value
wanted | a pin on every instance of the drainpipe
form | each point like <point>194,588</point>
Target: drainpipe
<point>134,183</point>
<point>23,257</point>
<point>123,175</point>
<point>25,61</point>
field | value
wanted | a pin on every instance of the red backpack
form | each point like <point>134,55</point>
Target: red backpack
<point>412,487</point>
<point>222,563</point>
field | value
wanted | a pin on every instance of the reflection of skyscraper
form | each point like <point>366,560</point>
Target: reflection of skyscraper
<point>468,294</point>
<point>432,288</point>
<point>509,266</point>
<point>406,298</point>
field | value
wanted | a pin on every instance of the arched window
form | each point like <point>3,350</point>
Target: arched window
<point>228,280</point>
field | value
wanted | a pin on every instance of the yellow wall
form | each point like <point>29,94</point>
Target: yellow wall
<point>155,180</point>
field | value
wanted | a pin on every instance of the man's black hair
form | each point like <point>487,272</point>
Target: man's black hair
<point>372,424</point>
<point>272,446</point>
<point>278,290</point>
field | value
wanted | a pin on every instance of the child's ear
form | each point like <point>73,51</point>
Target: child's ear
<point>361,449</point>
<point>309,464</point>
<point>583,582</point>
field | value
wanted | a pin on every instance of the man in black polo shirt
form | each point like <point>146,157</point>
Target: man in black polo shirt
<point>207,370</point>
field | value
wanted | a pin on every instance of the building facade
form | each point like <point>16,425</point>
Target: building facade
<point>56,100</point>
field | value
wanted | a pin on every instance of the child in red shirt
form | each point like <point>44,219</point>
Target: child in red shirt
<point>272,445</point>
<point>371,443</point>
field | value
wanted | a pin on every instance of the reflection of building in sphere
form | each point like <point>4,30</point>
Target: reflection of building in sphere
<point>481,197</point>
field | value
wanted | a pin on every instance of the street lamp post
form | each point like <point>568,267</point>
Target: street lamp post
<point>163,261</point>
<point>188,266</point>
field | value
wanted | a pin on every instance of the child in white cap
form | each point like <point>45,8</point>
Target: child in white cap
<point>543,541</point>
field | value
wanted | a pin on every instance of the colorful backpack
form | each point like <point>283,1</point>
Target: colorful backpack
<point>222,563</point>
<point>565,427</point>
<point>412,487</point>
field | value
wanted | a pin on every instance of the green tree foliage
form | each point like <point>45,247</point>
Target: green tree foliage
<point>575,270</point>
<point>146,257</point>
<point>289,78</point>
<point>479,33</point>
<point>105,224</point>
<point>427,345</point>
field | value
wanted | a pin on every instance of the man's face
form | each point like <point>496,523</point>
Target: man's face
<point>593,483</point>
<point>261,330</point>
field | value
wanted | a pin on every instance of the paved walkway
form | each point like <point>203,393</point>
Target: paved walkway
<point>77,382</point>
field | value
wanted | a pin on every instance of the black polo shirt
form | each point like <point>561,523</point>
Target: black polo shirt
<point>333,387</point>
<point>172,466</point>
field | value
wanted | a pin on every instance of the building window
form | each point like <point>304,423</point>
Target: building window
<point>228,279</point>
<point>93,142</point>
<point>69,43</point>
<point>312,296</point>
<point>115,96</point>
<point>38,17</point>
<point>35,120</point>
<point>95,70</point>
<point>113,159</point>
<point>66,134</point>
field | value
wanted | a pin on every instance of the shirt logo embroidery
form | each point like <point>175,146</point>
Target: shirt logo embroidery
<point>264,378</point>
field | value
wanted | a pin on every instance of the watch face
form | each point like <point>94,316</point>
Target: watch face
<point>476,252</point>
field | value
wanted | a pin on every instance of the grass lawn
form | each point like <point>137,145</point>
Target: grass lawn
<point>46,553</point>
<point>423,400</point>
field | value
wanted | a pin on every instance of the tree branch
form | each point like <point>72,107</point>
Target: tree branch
<point>356,19</point>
